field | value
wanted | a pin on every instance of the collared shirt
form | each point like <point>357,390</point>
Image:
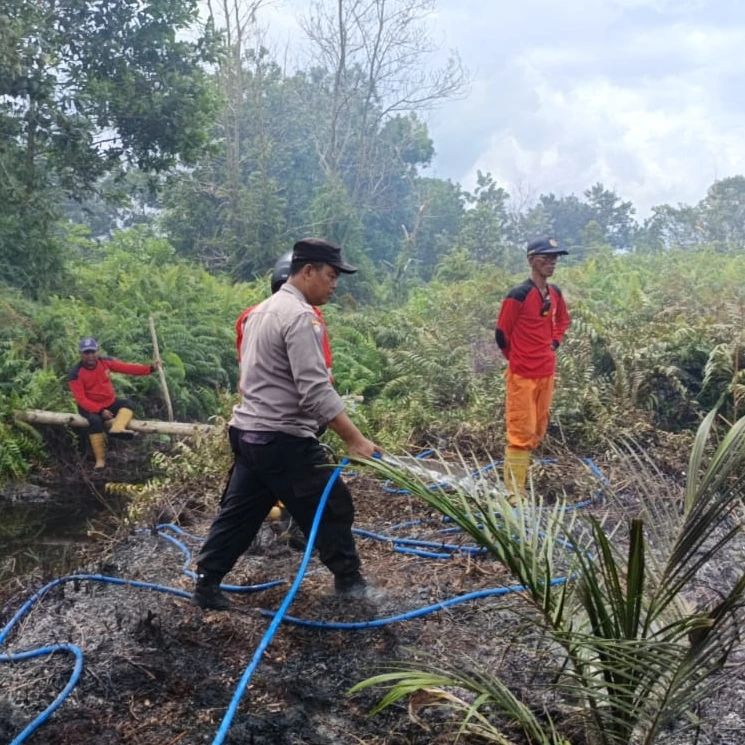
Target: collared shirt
<point>284,382</point>
<point>530,327</point>
<point>240,325</point>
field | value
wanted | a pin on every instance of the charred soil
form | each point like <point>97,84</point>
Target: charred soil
<point>160,670</point>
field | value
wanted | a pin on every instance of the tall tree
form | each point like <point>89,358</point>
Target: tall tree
<point>437,209</point>
<point>376,56</point>
<point>233,210</point>
<point>85,88</point>
<point>483,232</point>
<point>717,220</point>
<point>251,201</point>
<point>671,227</point>
<point>614,216</point>
<point>722,212</point>
<point>564,217</point>
<point>334,149</point>
<point>285,191</point>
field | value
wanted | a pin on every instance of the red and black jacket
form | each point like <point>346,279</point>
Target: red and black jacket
<point>92,389</point>
<point>530,327</point>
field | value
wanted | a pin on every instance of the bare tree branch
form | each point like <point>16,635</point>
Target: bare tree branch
<point>378,55</point>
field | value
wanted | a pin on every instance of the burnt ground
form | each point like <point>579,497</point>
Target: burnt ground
<point>159,670</point>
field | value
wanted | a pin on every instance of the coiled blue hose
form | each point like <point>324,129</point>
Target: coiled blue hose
<point>76,651</point>
<point>30,728</point>
<point>400,544</point>
<point>73,649</point>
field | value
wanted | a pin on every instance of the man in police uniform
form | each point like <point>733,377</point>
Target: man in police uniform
<point>286,397</point>
<point>532,321</point>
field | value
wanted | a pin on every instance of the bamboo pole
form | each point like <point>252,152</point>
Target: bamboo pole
<point>38,416</point>
<point>161,371</point>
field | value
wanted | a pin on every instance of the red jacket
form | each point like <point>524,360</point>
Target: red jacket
<point>529,329</point>
<point>92,389</point>
<point>325,343</point>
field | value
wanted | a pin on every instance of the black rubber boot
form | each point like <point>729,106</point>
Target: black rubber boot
<point>208,595</point>
<point>352,585</point>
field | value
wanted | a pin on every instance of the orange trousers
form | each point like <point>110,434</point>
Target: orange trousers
<point>527,405</point>
<point>528,401</point>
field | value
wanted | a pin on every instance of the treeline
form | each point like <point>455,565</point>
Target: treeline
<point>650,350</point>
<point>232,158</point>
<point>150,165</point>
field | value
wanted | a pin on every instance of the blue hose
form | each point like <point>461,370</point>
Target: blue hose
<point>39,594</point>
<point>442,605</point>
<point>189,573</point>
<point>422,553</point>
<point>416,542</point>
<point>279,615</point>
<point>178,529</point>
<point>596,472</point>
<point>26,608</point>
<point>30,728</point>
<point>400,544</point>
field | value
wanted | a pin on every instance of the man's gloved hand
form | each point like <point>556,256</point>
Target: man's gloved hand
<point>555,344</point>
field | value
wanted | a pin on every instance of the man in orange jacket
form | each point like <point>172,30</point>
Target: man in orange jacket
<point>532,321</point>
<point>90,384</point>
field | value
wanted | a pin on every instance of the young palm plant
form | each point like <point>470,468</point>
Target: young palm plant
<point>630,654</point>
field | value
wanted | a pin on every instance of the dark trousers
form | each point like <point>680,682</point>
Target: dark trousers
<point>95,421</point>
<point>295,471</point>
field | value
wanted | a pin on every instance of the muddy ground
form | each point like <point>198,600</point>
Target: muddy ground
<point>159,670</point>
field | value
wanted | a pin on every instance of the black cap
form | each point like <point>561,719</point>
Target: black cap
<point>545,246</point>
<point>316,249</point>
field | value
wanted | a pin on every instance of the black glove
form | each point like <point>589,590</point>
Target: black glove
<point>555,344</point>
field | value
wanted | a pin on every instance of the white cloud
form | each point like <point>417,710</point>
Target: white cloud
<point>642,96</point>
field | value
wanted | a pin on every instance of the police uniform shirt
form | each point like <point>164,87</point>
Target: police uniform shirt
<point>284,382</point>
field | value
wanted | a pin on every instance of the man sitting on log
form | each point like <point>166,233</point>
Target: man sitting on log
<point>90,384</point>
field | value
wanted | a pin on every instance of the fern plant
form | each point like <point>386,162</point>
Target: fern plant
<point>188,472</point>
<point>22,387</point>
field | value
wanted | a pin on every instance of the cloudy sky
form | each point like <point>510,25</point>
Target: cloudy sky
<point>646,96</point>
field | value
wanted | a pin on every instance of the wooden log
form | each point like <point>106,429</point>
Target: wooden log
<point>39,416</point>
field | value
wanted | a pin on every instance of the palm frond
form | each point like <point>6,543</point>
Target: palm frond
<point>635,655</point>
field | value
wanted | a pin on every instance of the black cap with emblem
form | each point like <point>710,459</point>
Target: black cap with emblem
<point>318,250</point>
<point>545,246</point>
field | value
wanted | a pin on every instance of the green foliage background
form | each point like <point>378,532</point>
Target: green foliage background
<point>137,183</point>
<point>656,340</point>
<point>114,289</point>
